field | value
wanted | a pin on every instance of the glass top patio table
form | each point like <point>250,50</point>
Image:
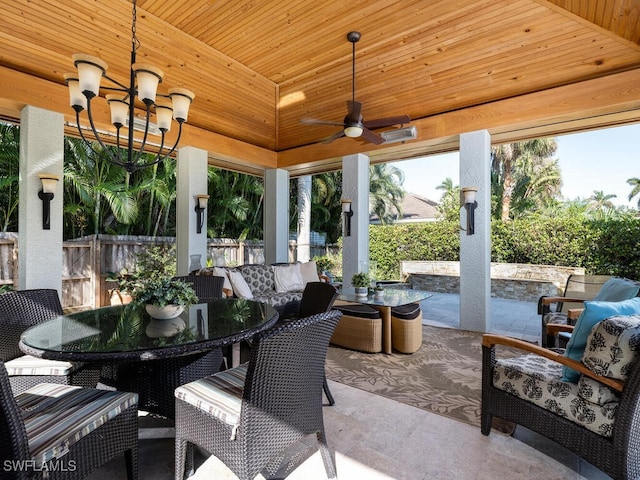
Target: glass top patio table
<point>127,332</point>
<point>132,352</point>
<point>391,297</point>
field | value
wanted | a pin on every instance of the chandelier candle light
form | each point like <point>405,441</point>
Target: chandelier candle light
<point>143,82</point>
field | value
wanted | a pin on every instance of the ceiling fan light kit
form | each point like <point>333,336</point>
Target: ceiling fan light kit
<point>354,126</point>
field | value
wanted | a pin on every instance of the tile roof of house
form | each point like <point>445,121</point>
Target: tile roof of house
<point>414,209</point>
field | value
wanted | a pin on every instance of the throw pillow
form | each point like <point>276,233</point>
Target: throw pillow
<point>288,278</point>
<point>594,312</point>
<point>240,287</point>
<point>617,289</point>
<point>223,272</point>
<point>613,346</point>
<point>309,271</point>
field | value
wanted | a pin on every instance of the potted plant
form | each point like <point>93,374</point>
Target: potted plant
<point>165,297</point>
<point>361,281</point>
<point>378,292</point>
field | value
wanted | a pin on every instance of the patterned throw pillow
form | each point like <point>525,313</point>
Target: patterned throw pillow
<point>594,312</point>
<point>613,346</point>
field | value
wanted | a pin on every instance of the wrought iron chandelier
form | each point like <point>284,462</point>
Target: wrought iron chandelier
<point>84,86</point>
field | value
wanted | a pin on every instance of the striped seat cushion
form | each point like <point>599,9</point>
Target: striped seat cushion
<point>220,394</point>
<point>28,365</point>
<point>57,416</point>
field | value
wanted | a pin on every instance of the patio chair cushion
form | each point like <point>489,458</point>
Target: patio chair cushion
<point>81,411</point>
<point>594,312</point>
<point>28,365</point>
<point>539,381</point>
<point>220,394</point>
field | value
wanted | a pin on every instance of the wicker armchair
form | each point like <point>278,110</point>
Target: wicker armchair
<point>20,310</point>
<point>617,453</point>
<point>580,288</point>
<point>249,415</point>
<point>70,429</point>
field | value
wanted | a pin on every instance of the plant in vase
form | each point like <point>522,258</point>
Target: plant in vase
<point>361,282</point>
<point>164,298</point>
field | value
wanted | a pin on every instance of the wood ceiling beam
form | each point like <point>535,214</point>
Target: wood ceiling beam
<point>602,102</point>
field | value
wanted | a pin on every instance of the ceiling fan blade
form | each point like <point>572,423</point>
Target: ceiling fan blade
<point>371,137</point>
<point>313,121</point>
<point>335,136</point>
<point>387,122</point>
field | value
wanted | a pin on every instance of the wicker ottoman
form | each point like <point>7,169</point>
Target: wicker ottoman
<point>360,328</point>
<point>406,328</point>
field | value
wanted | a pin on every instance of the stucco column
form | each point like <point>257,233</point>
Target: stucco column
<point>475,250</point>
<point>191,180</point>
<point>276,216</point>
<point>41,151</point>
<point>355,186</point>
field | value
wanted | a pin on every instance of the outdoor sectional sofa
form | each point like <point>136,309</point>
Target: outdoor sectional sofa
<point>279,285</point>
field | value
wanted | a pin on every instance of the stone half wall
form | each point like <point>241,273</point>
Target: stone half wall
<point>515,281</point>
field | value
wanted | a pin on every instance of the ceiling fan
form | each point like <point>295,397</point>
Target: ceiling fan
<point>354,125</point>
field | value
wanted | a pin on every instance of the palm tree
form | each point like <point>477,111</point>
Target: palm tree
<point>515,166</point>
<point>449,206</point>
<point>304,218</point>
<point>601,201</point>
<point>385,192</point>
<point>635,190</point>
<point>236,204</point>
<point>97,191</point>
<point>9,176</point>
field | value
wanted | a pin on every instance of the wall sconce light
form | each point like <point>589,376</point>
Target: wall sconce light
<point>201,205</point>
<point>347,213</point>
<point>470,204</point>
<point>49,182</point>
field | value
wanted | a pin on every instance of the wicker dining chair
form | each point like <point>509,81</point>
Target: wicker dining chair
<point>207,287</point>
<point>249,415</point>
<point>19,310</point>
<point>58,431</point>
<point>317,297</point>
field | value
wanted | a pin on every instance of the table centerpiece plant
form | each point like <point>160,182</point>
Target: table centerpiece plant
<point>361,282</point>
<point>164,298</point>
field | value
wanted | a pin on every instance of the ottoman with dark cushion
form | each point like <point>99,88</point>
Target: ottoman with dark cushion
<point>406,328</point>
<point>360,328</point>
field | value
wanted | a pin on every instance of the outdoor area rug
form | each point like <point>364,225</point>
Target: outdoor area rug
<point>443,376</point>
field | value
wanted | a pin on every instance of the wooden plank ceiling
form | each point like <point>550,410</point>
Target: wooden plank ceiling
<point>259,67</point>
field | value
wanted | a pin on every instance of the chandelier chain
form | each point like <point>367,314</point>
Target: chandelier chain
<point>135,43</point>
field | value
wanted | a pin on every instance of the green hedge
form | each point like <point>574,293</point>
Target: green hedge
<point>609,247</point>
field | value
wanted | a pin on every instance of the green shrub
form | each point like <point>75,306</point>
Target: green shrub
<point>608,247</point>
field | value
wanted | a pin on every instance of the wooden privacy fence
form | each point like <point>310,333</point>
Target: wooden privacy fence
<point>88,261</point>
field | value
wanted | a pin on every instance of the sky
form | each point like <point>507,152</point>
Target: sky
<point>598,160</point>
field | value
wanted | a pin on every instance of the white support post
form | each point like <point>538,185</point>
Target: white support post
<point>475,250</point>
<point>41,151</point>
<point>276,216</point>
<point>355,186</point>
<point>191,180</point>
